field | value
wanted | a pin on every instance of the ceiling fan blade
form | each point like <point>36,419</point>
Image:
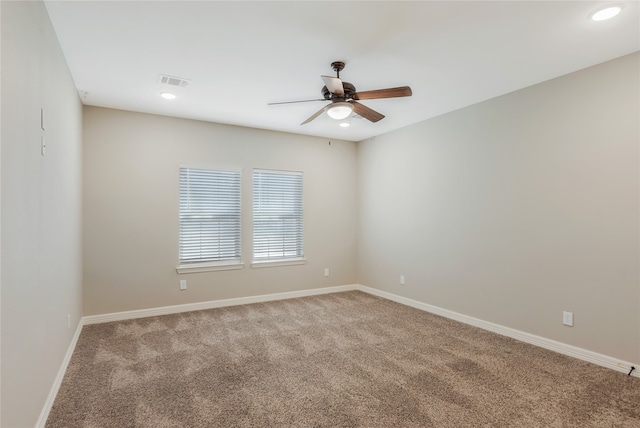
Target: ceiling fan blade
<point>401,91</point>
<point>333,84</point>
<point>293,102</point>
<point>366,112</point>
<point>313,116</point>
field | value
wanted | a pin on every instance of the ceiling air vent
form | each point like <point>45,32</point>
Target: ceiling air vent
<point>173,81</point>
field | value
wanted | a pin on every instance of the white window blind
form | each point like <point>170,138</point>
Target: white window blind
<point>209,215</point>
<point>277,215</point>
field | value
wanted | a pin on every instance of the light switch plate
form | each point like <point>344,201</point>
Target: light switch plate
<point>567,318</point>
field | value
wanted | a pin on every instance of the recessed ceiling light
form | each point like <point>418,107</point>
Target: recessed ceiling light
<point>606,13</point>
<point>168,96</point>
<point>345,124</point>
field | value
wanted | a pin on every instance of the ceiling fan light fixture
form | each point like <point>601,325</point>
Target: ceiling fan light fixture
<point>339,110</point>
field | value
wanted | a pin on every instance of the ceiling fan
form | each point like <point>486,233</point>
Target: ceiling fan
<point>344,98</point>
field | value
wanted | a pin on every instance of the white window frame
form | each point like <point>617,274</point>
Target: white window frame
<point>211,265</point>
<point>296,214</point>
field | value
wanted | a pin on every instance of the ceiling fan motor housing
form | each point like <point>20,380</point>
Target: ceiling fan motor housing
<point>349,91</point>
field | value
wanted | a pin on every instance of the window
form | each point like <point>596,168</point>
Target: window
<point>209,219</point>
<point>277,216</point>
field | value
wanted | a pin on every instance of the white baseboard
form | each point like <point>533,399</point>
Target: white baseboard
<point>44,414</point>
<point>562,348</point>
<point>166,310</point>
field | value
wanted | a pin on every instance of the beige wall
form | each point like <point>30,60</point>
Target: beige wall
<point>41,218</point>
<point>131,209</point>
<point>515,209</point>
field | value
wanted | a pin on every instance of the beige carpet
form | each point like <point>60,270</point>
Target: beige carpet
<point>338,360</point>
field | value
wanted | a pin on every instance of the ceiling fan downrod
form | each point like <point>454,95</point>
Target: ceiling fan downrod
<point>337,66</point>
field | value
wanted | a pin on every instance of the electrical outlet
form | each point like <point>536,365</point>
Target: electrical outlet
<point>326,271</point>
<point>567,318</point>
<point>401,279</point>
<point>68,320</point>
<point>183,284</point>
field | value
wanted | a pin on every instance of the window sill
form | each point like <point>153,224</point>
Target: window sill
<point>274,263</point>
<point>209,267</point>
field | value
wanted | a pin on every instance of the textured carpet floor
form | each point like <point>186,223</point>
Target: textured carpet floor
<point>338,360</point>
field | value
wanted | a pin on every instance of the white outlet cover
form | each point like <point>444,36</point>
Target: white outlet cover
<point>567,318</point>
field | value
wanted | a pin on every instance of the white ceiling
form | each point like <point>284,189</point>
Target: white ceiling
<point>242,55</point>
